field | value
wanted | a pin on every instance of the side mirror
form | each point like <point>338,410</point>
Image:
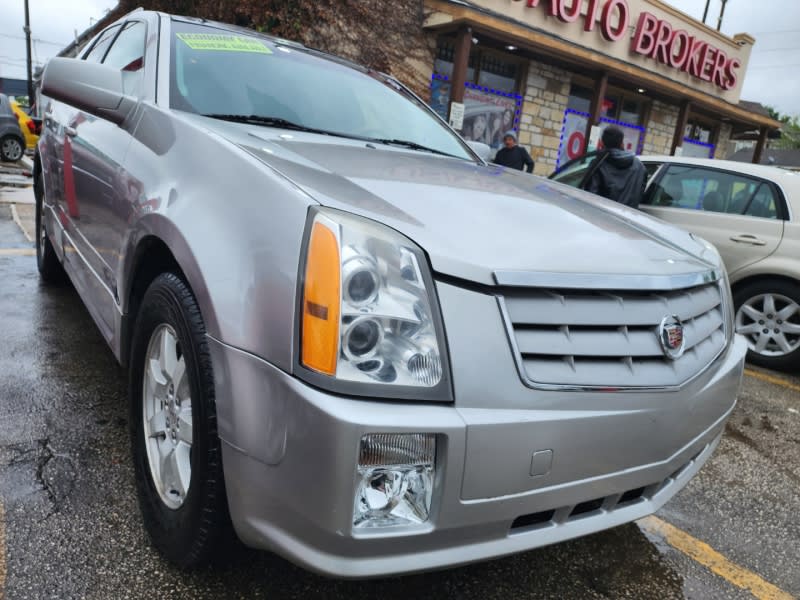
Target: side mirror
<point>481,149</point>
<point>91,87</point>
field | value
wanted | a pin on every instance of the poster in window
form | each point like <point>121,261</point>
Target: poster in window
<point>487,117</point>
<point>440,96</point>
<point>573,136</point>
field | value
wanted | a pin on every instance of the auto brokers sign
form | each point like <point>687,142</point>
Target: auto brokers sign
<point>647,33</point>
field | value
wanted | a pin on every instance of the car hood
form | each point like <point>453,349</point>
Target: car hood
<point>475,221</point>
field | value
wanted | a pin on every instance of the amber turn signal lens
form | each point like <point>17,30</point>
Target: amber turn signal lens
<point>321,298</point>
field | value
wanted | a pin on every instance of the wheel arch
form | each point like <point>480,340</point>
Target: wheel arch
<point>759,277</point>
<point>157,247</point>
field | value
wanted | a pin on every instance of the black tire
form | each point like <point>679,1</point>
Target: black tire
<point>12,148</point>
<point>50,269</point>
<point>785,294</point>
<point>188,535</point>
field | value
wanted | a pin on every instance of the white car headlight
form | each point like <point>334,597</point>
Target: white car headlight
<point>368,314</point>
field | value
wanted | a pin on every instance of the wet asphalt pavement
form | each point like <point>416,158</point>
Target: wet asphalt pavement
<point>72,527</point>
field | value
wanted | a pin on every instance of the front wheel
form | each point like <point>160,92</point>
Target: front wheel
<point>768,315</point>
<point>176,449</point>
<point>11,148</point>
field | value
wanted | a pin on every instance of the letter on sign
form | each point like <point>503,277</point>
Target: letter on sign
<point>567,15</point>
<point>645,39</point>
<point>610,33</point>
<point>682,40</point>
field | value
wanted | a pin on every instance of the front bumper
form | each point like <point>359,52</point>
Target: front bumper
<point>290,454</point>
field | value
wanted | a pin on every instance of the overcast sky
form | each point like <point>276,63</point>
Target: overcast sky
<point>773,75</point>
<point>53,25</point>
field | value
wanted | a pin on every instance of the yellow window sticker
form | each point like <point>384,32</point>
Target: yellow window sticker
<point>223,43</point>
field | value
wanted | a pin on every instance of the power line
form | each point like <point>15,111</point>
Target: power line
<point>41,41</point>
<point>781,31</point>
<point>756,51</point>
<point>772,66</point>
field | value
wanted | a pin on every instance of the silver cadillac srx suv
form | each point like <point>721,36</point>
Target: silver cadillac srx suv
<point>348,336</point>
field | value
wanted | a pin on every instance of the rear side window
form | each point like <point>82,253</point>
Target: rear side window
<point>710,190</point>
<point>101,45</point>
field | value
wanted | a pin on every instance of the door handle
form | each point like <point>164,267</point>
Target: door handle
<point>746,238</point>
<point>70,131</point>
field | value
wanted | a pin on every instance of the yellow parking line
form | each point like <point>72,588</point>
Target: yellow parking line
<point>772,379</point>
<point>713,560</point>
<point>17,251</point>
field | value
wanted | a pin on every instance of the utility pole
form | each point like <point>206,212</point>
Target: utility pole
<point>705,12</point>
<point>28,44</point>
<point>721,14</point>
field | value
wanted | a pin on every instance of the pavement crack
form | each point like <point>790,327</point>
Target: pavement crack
<point>43,457</point>
<point>56,487</point>
<point>20,455</point>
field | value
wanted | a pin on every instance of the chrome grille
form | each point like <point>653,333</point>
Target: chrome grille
<point>610,338</point>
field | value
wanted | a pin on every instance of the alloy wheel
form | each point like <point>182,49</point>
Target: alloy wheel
<point>167,414</point>
<point>12,149</point>
<point>771,324</point>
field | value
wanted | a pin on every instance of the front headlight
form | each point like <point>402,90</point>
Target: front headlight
<point>369,321</point>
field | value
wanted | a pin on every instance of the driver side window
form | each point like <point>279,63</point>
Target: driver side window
<point>127,55</point>
<point>98,51</point>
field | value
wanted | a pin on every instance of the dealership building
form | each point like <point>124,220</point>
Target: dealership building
<point>557,71</point>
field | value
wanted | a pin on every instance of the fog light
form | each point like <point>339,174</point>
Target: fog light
<point>396,473</point>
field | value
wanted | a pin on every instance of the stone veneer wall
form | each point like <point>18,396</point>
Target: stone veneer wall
<point>724,144</point>
<point>546,95</point>
<point>660,128</point>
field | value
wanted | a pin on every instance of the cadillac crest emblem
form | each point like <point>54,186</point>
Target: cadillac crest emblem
<point>670,335</point>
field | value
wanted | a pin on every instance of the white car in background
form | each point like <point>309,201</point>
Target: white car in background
<point>751,213</point>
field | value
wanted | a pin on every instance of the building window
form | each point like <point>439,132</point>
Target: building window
<point>497,73</point>
<point>698,140</point>
<point>697,132</point>
<point>443,65</point>
<point>580,98</point>
<point>492,104</point>
<point>631,111</point>
<point>618,108</point>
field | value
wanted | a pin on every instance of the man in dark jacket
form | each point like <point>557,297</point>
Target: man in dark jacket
<point>513,155</point>
<point>617,174</point>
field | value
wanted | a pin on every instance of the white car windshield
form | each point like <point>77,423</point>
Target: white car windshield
<point>228,74</point>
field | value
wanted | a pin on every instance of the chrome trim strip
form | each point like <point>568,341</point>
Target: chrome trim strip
<point>599,281</point>
<point>555,387</point>
<point>88,265</point>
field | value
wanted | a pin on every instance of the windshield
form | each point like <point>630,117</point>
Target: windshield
<point>219,72</point>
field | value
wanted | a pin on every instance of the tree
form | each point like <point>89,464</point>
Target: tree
<point>386,36</point>
<point>790,131</point>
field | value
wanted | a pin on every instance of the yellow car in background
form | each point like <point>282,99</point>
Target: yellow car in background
<point>26,124</point>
